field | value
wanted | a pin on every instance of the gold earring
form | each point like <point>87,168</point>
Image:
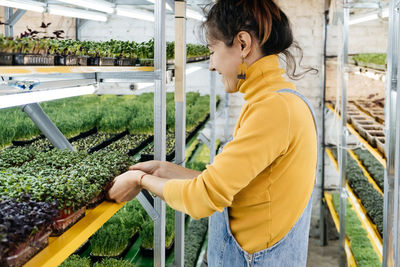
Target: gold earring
<point>242,70</point>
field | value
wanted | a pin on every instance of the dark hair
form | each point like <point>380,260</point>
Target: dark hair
<point>264,20</point>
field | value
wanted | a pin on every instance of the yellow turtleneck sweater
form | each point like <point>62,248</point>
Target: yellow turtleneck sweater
<point>265,175</point>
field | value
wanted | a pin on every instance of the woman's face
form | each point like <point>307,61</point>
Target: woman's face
<point>225,60</point>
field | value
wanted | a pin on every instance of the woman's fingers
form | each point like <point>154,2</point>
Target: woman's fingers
<point>124,187</point>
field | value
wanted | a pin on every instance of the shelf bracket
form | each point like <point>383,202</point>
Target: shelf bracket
<point>46,126</point>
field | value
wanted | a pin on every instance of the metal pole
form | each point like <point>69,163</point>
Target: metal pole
<point>180,118</point>
<point>322,223</point>
<point>36,113</point>
<point>343,142</point>
<point>8,29</point>
<point>226,128</point>
<point>159,124</point>
<point>213,110</point>
<point>391,196</point>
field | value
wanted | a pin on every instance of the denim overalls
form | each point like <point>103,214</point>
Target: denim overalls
<point>290,251</point>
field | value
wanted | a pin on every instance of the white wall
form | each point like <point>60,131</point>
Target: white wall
<point>121,28</point>
<point>33,20</point>
<point>367,37</point>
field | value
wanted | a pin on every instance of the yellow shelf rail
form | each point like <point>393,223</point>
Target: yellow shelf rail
<point>18,70</point>
<point>349,254</point>
<point>378,155</point>
<point>61,247</point>
<point>372,231</point>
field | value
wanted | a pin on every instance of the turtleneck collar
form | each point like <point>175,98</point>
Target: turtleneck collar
<point>262,78</point>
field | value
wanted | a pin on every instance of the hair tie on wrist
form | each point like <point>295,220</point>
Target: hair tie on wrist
<point>141,178</point>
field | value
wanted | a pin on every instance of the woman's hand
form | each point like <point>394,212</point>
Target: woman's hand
<point>165,169</point>
<point>125,186</point>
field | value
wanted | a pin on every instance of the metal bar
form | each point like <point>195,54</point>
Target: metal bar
<point>322,223</point>
<point>213,110</point>
<point>226,126</point>
<point>391,184</point>
<point>343,132</point>
<point>36,113</point>
<point>159,124</point>
<point>15,17</point>
<point>147,206</point>
<point>180,118</point>
<point>8,12</point>
<point>127,76</point>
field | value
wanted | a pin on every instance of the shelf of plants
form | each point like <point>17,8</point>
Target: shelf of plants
<point>29,55</point>
<point>370,147</point>
<point>30,170</point>
<point>128,234</point>
<point>367,238</point>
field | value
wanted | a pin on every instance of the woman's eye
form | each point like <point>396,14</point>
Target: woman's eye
<point>211,53</point>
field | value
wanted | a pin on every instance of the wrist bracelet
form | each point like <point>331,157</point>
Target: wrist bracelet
<point>141,178</point>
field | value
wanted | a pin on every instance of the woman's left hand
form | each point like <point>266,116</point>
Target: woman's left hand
<point>125,186</point>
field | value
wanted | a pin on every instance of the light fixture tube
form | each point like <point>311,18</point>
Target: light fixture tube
<point>20,99</point>
<point>194,15</point>
<point>167,6</point>
<point>363,19</point>
<point>25,5</point>
<point>135,13</point>
<point>98,5</point>
<point>76,13</point>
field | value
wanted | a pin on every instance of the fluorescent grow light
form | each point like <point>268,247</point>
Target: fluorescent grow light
<point>98,5</point>
<point>7,101</point>
<point>76,13</point>
<point>167,6</point>
<point>134,13</point>
<point>194,15</point>
<point>369,17</point>
<point>25,5</point>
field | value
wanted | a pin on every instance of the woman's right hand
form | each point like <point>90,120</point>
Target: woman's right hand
<point>165,169</point>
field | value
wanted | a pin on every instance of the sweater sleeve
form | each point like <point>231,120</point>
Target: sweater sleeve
<point>262,137</point>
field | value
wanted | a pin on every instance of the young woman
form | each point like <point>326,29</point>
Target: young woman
<point>258,190</point>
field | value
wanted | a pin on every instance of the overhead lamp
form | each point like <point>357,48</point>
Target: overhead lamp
<point>76,13</point>
<point>20,99</point>
<point>194,15</point>
<point>167,6</point>
<point>99,5</point>
<point>25,5</point>
<point>369,17</point>
<point>134,13</point>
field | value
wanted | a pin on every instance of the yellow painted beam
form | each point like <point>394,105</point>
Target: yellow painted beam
<point>371,228</point>
<point>378,155</point>
<point>366,173</point>
<point>349,254</point>
<point>4,70</point>
<point>61,247</point>
<point>372,231</point>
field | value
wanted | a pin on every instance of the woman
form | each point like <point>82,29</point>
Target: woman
<point>258,190</point>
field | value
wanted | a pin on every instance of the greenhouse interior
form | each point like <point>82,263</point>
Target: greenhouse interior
<point>91,87</point>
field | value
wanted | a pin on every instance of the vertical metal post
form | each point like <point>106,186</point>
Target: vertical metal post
<point>159,124</point>
<point>343,130</point>
<point>322,223</point>
<point>391,185</point>
<point>46,126</point>
<point>213,110</point>
<point>180,118</point>
<point>8,29</point>
<point>226,109</point>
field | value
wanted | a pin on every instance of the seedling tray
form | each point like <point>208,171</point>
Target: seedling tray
<point>373,135</point>
<point>96,201</point>
<point>107,142</point>
<point>6,59</point>
<point>142,145</point>
<point>27,250</point>
<point>149,252</point>
<point>121,255</point>
<point>63,223</point>
<point>107,61</point>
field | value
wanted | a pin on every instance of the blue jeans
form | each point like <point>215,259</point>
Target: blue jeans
<point>224,250</point>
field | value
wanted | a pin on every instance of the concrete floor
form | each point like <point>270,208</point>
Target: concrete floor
<point>327,256</point>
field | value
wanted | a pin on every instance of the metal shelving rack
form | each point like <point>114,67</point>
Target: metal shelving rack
<point>391,236</point>
<point>60,248</point>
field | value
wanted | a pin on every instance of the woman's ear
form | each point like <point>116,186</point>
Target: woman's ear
<point>245,42</point>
